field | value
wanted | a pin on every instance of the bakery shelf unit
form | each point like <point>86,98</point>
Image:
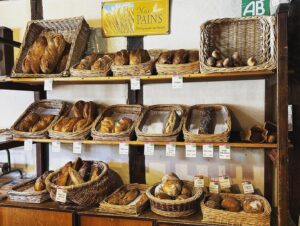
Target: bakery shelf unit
<point>276,88</point>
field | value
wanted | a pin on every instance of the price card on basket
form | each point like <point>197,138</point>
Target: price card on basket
<point>123,148</point>
<point>190,150</point>
<point>224,151</point>
<point>28,145</point>
<point>224,182</point>
<point>48,84</point>
<point>55,146</point>
<point>248,187</point>
<point>214,187</point>
<point>77,147</point>
<point>208,150</point>
<point>177,81</point>
<point>135,83</point>
<point>198,181</point>
<point>170,149</point>
<point>149,149</point>
<point>61,195</point>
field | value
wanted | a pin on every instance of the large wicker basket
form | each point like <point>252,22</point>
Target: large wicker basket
<point>133,70</point>
<point>221,114</point>
<point>175,208</point>
<point>170,137</point>
<point>117,111</point>
<point>249,36</point>
<point>55,107</point>
<point>90,193</point>
<point>75,31</point>
<point>238,218</point>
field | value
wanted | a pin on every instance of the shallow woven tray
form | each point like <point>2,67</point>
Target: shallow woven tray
<point>132,208</point>
<point>222,137</point>
<point>178,69</point>
<point>25,192</point>
<point>47,104</point>
<point>142,136</point>
<point>175,208</point>
<point>133,70</point>
<point>90,193</point>
<point>238,218</point>
<point>249,36</point>
<point>75,31</point>
<point>132,111</point>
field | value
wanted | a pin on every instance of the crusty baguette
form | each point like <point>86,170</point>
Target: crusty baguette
<point>75,176</point>
<point>85,170</point>
<point>63,175</point>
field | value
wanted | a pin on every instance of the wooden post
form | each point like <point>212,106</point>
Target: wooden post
<point>36,9</point>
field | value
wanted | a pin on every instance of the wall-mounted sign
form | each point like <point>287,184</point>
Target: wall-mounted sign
<point>135,18</point>
<point>255,7</point>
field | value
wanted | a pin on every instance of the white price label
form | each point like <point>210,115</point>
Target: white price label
<point>61,195</point>
<point>224,152</point>
<point>135,83</point>
<point>123,148</point>
<point>208,151</point>
<point>248,187</point>
<point>55,146</point>
<point>170,150</point>
<point>224,182</point>
<point>190,150</point>
<point>199,182</point>
<point>28,145</point>
<point>214,187</point>
<point>77,147</point>
<point>48,84</point>
<point>149,149</point>
<point>177,82</point>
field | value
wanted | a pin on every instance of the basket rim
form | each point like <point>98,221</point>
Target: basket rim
<point>14,192</point>
<point>131,65</point>
<point>177,65</point>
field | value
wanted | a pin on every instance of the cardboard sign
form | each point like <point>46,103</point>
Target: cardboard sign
<point>190,150</point>
<point>61,195</point>
<point>77,147</point>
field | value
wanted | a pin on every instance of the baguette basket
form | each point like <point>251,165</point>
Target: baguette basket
<point>249,36</point>
<point>75,31</point>
<point>238,218</point>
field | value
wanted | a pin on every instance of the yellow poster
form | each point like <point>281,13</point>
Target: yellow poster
<point>135,18</point>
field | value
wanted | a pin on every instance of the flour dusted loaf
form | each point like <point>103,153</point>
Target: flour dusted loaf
<point>171,185</point>
<point>251,205</point>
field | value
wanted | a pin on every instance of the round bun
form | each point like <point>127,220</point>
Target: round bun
<point>251,205</point>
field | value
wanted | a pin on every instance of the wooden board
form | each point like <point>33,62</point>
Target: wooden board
<point>99,221</point>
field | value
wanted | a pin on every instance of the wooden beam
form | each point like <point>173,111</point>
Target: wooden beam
<point>36,9</point>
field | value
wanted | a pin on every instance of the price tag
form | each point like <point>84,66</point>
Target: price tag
<point>149,149</point>
<point>198,181</point>
<point>28,145</point>
<point>214,187</point>
<point>190,150</point>
<point>224,152</point>
<point>248,187</point>
<point>55,146</point>
<point>177,82</point>
<point>170,150</point>
<point>123,148</point>
<point>208,151</point>
<point>77,147</point>
<point>224,182</point>
<point>135,83</point>
<point>61,195</point>
<point>48,84</point>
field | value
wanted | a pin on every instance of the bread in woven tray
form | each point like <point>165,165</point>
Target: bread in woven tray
<point>39,184</point>
<point>180,56</point>
<point>130,196</point>
<point>193,56</point>
<point>43,123</point>
<point>89,110</point>
<point>206,119</point>
<point>85,170</point>
<point>75,176</point>
<point>252,205</point>
<point>102,63</point>
<point>121,58</point>
<point>115,198</point>
<point>166,57</point>
<point>69,125</point>
<point>123,124</point>
<point>214,201</point>
<point>171,123</point>
<point>87,62</point>
<point>171,185</point>
<point>61,66</point>
<point>107,125</point>
<point>231,204</point>
<point>26,124</point>
<point>82,124</point>
<point>138,56</point>
<point>63,175</point>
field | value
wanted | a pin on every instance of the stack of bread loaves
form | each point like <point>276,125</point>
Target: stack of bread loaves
<point>132,57</point>
<point>180,56</point>
<point>108,125</point>
<point>95,62</point>
<point>34,122</point>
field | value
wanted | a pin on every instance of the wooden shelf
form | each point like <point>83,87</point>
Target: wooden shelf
<point>10,144</point>
<point>144,79</point>
<point>141,143</point>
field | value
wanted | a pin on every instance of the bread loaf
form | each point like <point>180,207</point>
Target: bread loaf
<point>107,125</point>
<point>231,204</point>
<point>96,171</point>
<point>87,61</point>
<point>206,118</point>
<point>43,123</point>
<point>59,125</point>
<point>193,56</point>
<point>171,123</point>
<point>115,198</point>
<point>123,125</point>
<point>180,56</point>
<point>121,58</point>
<point>85,170</point>
<point>251,205</point>
<point>186,190</point>
<point>77,109</point>
<point>214,201</point>
<point>39,184</point>
<point>138,56</point>
<point>166,57</point>
<point>69,125</point>
<point>171,185</point>
<point>82,124</point>
<point>63,175</point>
<point>130,196</point>
<point>102,64</point>
<point>75,176</point>
<point>89,110</point>
<point>61,66</point>
<point>28,122</point>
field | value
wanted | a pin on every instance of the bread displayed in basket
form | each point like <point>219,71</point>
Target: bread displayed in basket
<point>108,125</point>
<point>180,56</point>
<point>39,184</point>
<point>133,57</point>
<point>124,196</point>
<point>34,122</point>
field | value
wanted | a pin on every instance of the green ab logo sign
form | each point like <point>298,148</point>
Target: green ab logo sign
<point>255,7</point>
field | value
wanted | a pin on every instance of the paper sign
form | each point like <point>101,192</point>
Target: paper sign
<point>77,147</point>
<point>208,151</point>
<point>135,83</point>
<point>224,152</point>
<point>224,182</point>
<point>28,145</point>
<point>198,181</point>
<point>177,82</point>
<point>48,84</point>
<point>149,149</point>
<point>214,187</point>
<point>190,150</point>
<point>170,150</point>
<point>248,187</point>
<point>56,146</point>
<point>61,195</point>
<point>123,148</point>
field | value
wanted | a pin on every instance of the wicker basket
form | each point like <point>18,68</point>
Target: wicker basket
<point>25,192</point>
<point>133,70</point>
<point>75,31</point>
<point>55,107</point>
<point>90,193</point>
<point>178,69</point>
<point>238,218</point>
<point>78,135</point>
<point>117,111</point>
<point>249,36</point>
<point>221,116</point>
<point>132,208</point>
<point>146,136</point>
<point>175,208</point>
